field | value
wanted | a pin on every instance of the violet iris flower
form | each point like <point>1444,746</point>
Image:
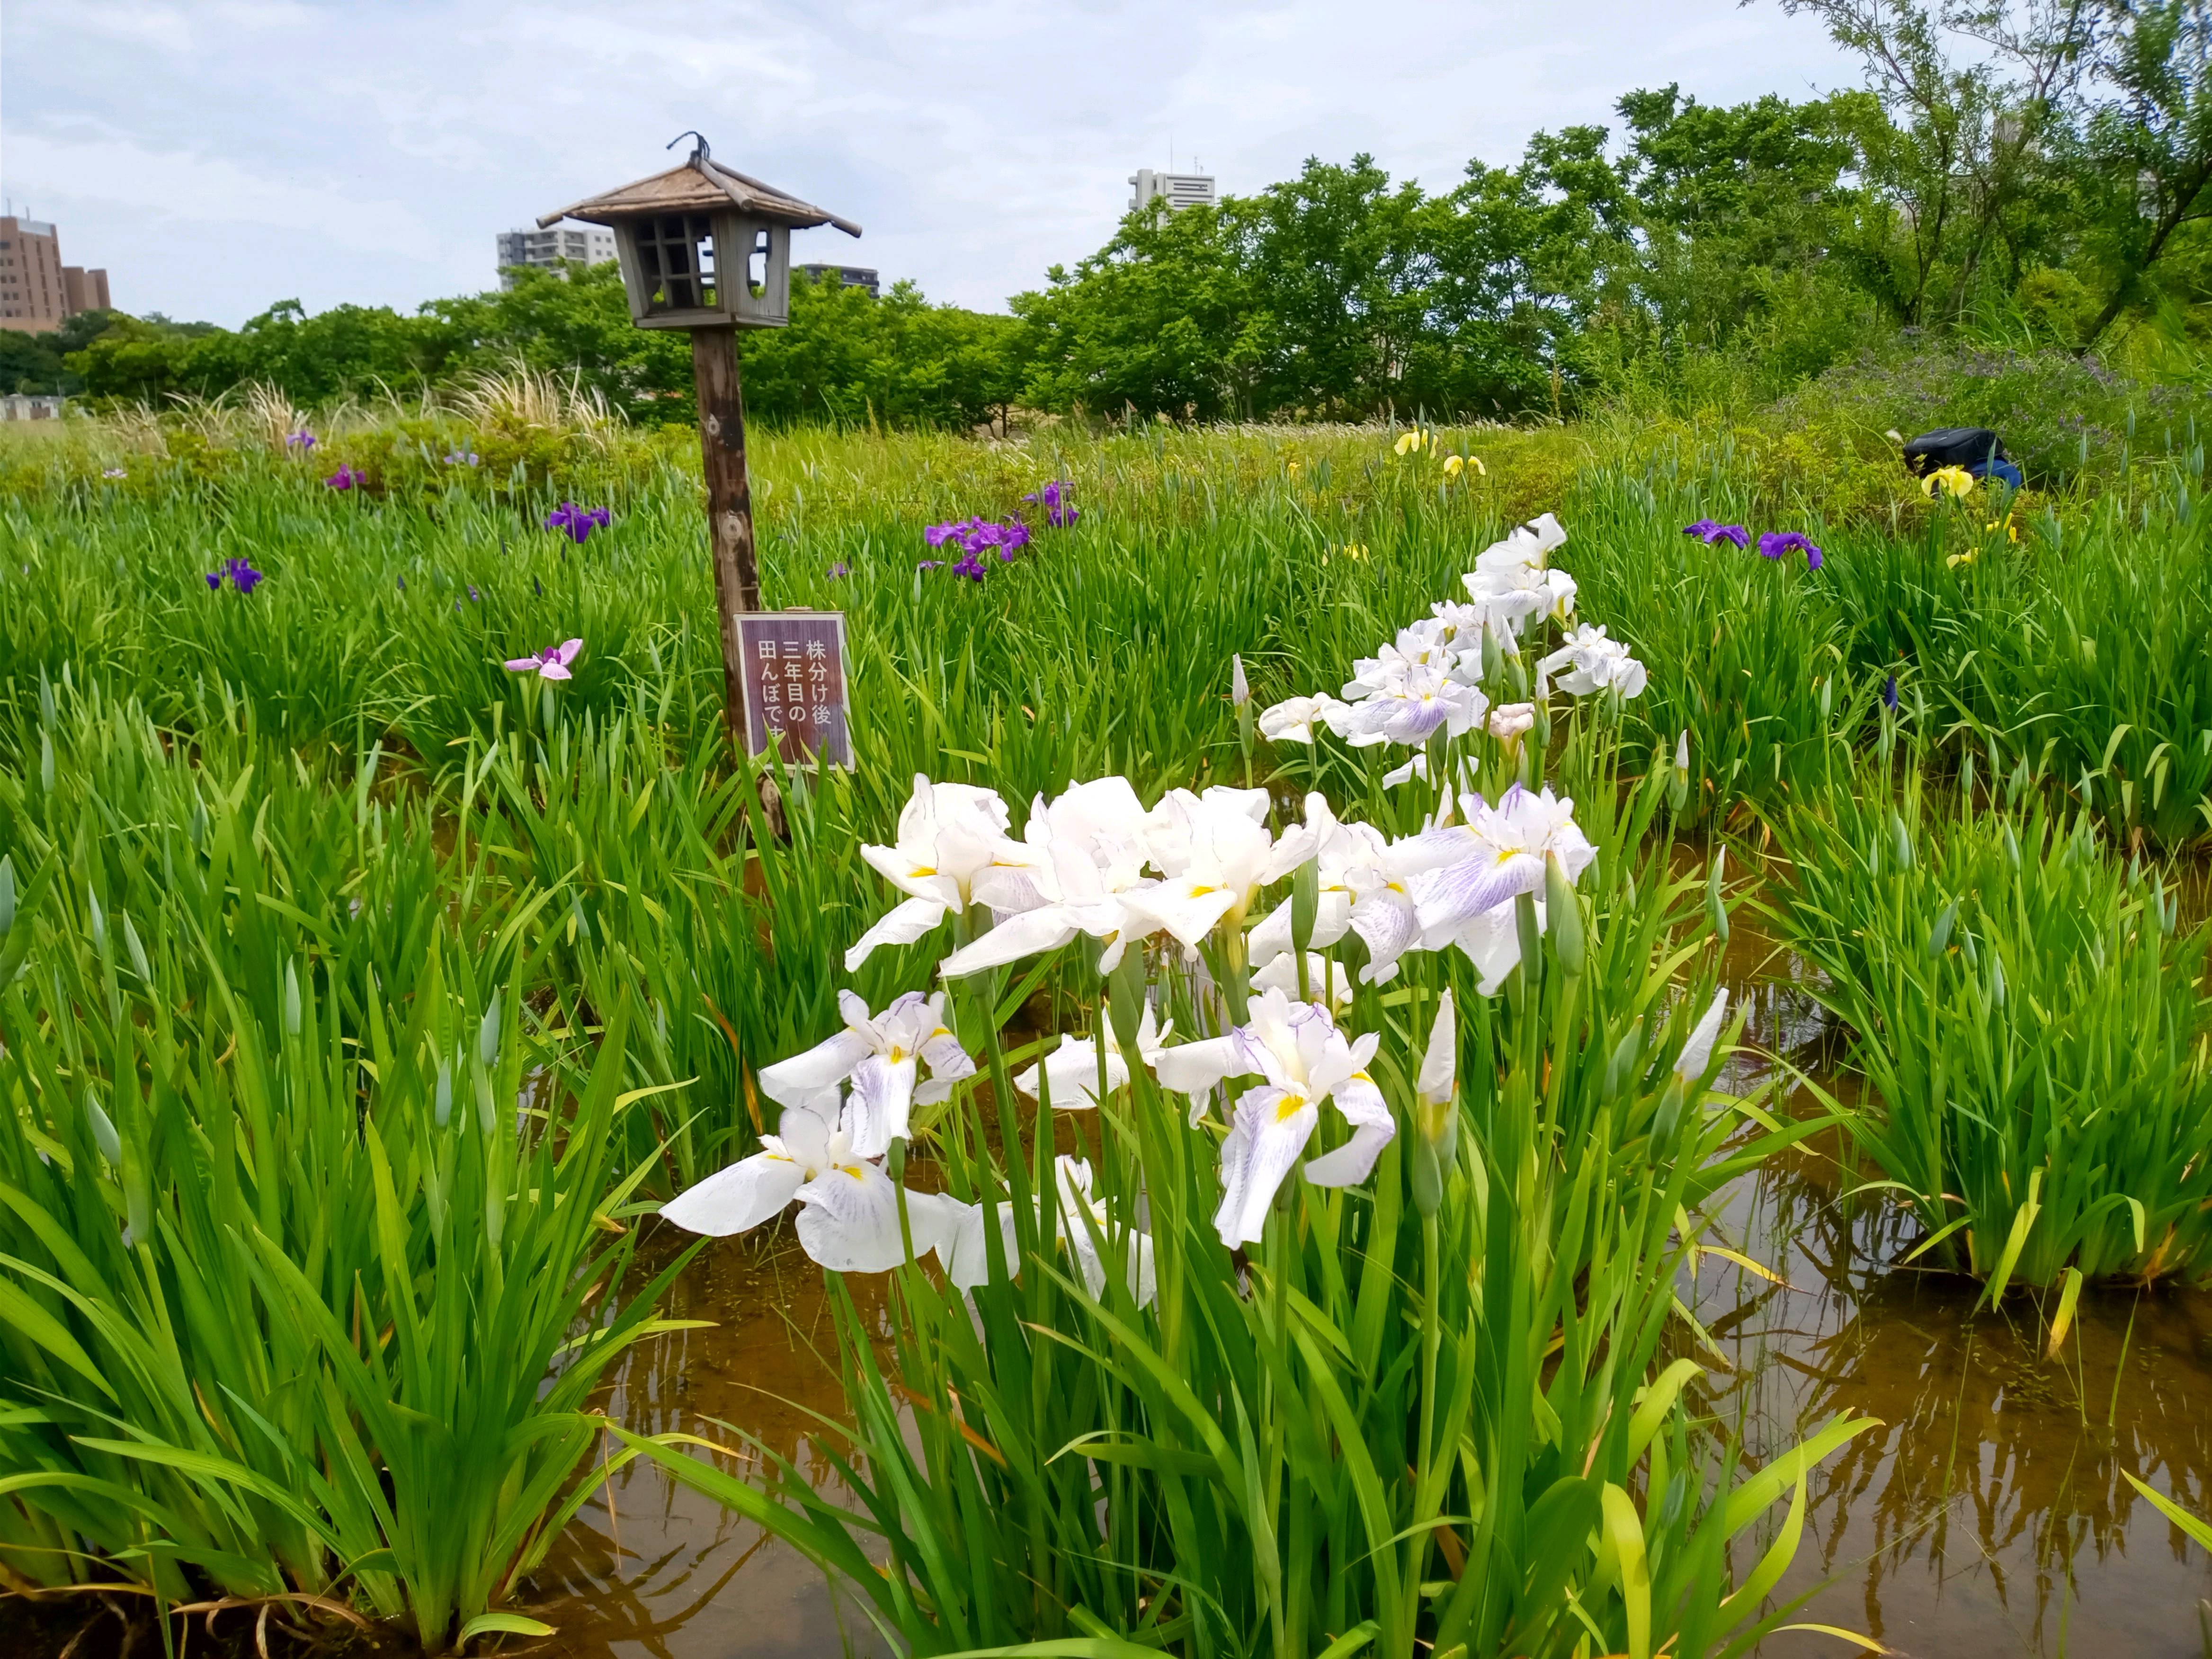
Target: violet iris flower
<point>475,597</point>
<point>840,569</point>
<point>243,576</point>
<point>303,441</point>
<point>930,565</point>
<point>1710,530</point>
<point>463,458</point>
<point>578,521</point>
<point>1775,543</point>
<point>970,567</point>
<point>551,664</point>
<point>1058,512</point>
<point>974,536</point>
<point>346,479</point>
<point>1889,694</point>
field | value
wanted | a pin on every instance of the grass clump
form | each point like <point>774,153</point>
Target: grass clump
<point>2030,1021</point>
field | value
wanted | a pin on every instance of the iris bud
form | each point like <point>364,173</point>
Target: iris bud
<point>1563,913</point>
<point>1305,905</point>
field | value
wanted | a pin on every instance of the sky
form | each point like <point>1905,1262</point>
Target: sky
<point>217,155</point>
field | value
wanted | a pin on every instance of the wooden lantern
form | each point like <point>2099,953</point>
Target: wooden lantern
<point>709,249</point>
<point>701,246</point>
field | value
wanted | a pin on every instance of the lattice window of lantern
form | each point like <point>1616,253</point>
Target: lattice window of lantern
<point>676,252</point>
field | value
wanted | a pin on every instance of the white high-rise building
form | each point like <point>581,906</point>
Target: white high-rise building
<point>1177,190</point>
<point>587,244</point>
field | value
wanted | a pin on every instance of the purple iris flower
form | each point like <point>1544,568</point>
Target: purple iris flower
<point>1889,694</point>
<point>930,565</point>
<point>578,521</point>
<point>551,664</point>
<point>970,567</point>
<point>1058,512</point>
<point>463,458</point>
<point>840,569</point>
<point>475,597</point>
<point>346,479</point>
<point>243,576</point>
<point>1710,530</point>
<point>1775,543</point>
<point>303,441</point>
<point>974,536</point>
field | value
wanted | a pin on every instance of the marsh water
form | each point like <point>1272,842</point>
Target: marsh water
<point>1987,1518</point>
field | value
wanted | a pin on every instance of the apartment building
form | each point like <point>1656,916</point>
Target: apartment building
<point>847,275</point>
<point>587,245</point>
<point>1177,190</point>
<point>38,292</point>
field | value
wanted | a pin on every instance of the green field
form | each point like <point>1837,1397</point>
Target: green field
<point>362,1001</point>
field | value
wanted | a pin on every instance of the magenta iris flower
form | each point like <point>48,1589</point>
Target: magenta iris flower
<point>551,664</point>
<point>1058,512</point>
<point>346,479</point>
<point>1709,531</point>
<point>243,576</point>
<point>1775,543</point>
<point>578,521</point>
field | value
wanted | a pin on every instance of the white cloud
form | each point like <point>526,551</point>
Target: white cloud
<point>217,155</point>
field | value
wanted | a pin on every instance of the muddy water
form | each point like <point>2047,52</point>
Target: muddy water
<point>1986,1519</point>
<point>1988,1515</point>
<point>651,1568</point>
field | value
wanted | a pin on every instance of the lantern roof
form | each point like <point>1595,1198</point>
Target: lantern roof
<point>700,184</point>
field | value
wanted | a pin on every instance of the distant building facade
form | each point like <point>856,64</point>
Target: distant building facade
<point>586,245</point>
<point>30,406</point>
<point>1177,190</point>
<point>85,291</point>
<point>38,292</point>
<point>849,276</point>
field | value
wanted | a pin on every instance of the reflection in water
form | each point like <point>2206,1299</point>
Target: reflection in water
<point>1987,1519</point>
<point>651,1568</point>
<point>1988,1515</point>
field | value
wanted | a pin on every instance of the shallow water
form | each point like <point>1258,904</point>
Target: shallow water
<point>1986,1519</point>
<point>651,1568</point>
<point>1989,1517</point>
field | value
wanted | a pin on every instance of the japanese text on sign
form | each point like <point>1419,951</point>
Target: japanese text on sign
<point>794,684</point>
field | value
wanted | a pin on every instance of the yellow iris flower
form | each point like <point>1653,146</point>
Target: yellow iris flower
<point>1411,442</point>
<point>1355,550</point>
<point>1453,466</point>
<point>1956,479</point>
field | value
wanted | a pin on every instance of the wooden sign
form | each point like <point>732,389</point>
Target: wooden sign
<point>794,685</point>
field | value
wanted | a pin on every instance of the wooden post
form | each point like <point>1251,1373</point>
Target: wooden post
<point>729,502</point>
<point>730,533</point>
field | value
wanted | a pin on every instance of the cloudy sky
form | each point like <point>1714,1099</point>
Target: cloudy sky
<point>216,155</point>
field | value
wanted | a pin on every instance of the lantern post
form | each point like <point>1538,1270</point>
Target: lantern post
<point>707,250</point>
